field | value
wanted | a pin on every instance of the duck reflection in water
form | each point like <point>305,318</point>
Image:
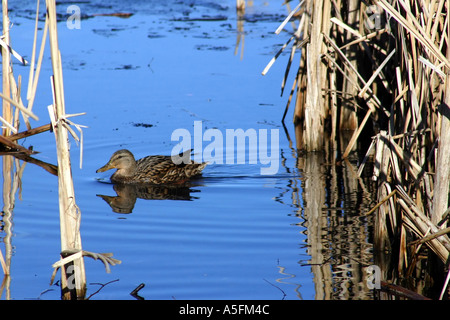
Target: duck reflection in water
<point>127,194</point>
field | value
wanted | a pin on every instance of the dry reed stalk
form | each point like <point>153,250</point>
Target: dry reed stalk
<point>380,203</point>
<point>6,69</point>
<point>356,134</point>
<point>314,113</point>
<point>11,91</point>
<point>13,146</point>
<point>431,236</point>
<point>368,95</point>
<point>375,74</point>
<point>420,225</point>
<point>34,72</point>
<point>315,107</point>
<point>70,215</point>
<point>363,38</point>
<point>441,245</point>
<point>291,57</point>
<point>15,92</point>
<point>272,61</point>
<point>13,52</point>
<point>444,288</point>
<point>294,85</point>
<point>414,29</point>
<point>33,51</point>
<point>19,105</point>
<point>288,18</point>
<point>440,198</point>
<point>399,291</point>
<point>30,132</point>
<point>349,10</point>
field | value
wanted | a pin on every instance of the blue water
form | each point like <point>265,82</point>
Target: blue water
<point>240,235</point>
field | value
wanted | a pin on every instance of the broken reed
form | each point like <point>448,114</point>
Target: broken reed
<point>70,214</point>
<point>384,63</point>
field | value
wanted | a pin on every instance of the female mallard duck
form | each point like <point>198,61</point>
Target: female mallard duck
<point>151,169</point>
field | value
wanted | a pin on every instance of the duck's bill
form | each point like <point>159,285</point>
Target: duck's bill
<point>105,168</point>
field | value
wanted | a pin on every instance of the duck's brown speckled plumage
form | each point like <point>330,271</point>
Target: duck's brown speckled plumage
<point>151,169</point>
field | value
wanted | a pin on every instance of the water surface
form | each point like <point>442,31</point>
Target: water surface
<point>234,233</point>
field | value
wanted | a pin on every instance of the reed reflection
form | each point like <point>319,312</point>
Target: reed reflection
<point>12,172</point>
<point>331,200</point>
<point>240,36</point>
<point>127,194</point>
<point>13,168</point>
<point>11,185</point>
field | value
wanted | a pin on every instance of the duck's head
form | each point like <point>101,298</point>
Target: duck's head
<point>122,160</point>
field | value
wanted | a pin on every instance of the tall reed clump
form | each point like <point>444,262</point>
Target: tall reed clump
<point>381,67</point>
<point>71,263</point>
<point>9,119</point>
<point>73,281</point>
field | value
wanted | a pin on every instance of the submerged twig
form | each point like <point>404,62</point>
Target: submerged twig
<point>102,285</point>
<point>284,293</point>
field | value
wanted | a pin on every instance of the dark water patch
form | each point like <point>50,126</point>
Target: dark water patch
<point>109,32</point>
<point>177,28</point>
<point>69,2</point>
<point>154,35</point>
<point>269,123</point>
<point>206,4</point>
<point>211,47</point>
<point>263,17</point>
<point>104,32</point>
<point>75,65</point>
<point>228,26</point>
<point>127,67</point>
<point>202,18</point>
<point>143,125</point>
